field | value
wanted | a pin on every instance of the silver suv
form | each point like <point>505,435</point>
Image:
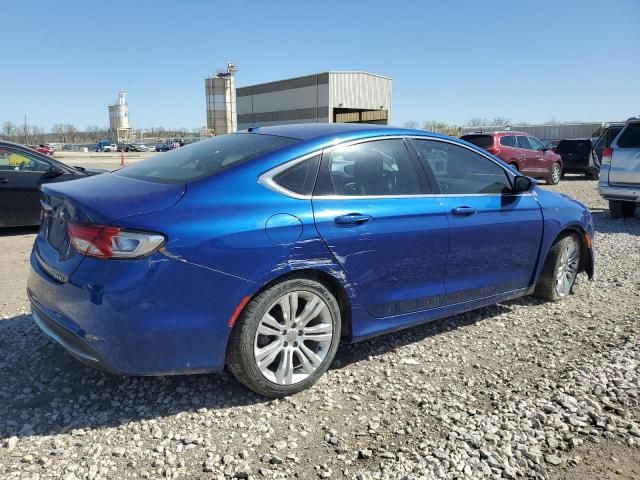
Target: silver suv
<point>619,180</point>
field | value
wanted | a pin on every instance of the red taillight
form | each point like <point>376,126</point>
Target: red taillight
<point>607,153</point>
<point>92,240</point>
<point>112,242</point>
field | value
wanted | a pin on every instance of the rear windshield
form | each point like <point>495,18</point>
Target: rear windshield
<point>204,158</point>
<point>574,146</point>
<point>630,138</point>
<point>482,141</point>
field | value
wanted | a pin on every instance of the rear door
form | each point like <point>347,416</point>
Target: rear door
<point>528,157</point>
<point>495,235</point>
<point>625,162</point>
<point>390,238</point>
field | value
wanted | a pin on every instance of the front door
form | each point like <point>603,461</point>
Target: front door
<point>390,238</point>
<point>528,157</point>
<point>495,235</point>
<point>541,163</point>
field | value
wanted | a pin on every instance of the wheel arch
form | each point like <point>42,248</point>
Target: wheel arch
<point>336,286</point>
<point>586,248</point>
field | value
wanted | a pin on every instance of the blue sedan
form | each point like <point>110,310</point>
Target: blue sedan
<point>263,250</point>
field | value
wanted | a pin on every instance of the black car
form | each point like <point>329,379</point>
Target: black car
<point>162,147</point>
<point>22,171</point>
<point>576,157</point>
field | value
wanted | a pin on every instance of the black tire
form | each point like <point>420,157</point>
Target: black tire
<point>515,166</point>
<point>546,285</point>
<point>240,348</point>
<point>555,174</point>
<point>619,209</point>
<point>593,174</point>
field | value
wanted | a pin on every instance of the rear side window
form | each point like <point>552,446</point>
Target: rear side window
<point>630,137</point>
<point>508,141</point>
<point>482,141</point>
<point>204,158</point>
<point>523,142</point>
<point>300,177</point>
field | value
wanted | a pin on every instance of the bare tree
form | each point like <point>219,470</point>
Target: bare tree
<point>59,131</point>
<point>501,121</point>
<point>412,124</point>
<point>8,129</point>
<point>477,122</point>
<point>70,132</point>
<point>94,132</point>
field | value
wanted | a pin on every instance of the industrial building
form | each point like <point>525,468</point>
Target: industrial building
<point>220,92</point>
<point>119,128</point>
<point>329,97</point>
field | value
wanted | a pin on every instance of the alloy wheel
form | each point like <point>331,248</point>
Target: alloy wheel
<point>556,173</point>
<point>293,337</point>
<point>567,269</point>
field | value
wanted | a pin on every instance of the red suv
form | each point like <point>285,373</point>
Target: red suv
<point>522,151</point>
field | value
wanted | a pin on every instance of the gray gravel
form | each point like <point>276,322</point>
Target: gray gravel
<point>522,389</point>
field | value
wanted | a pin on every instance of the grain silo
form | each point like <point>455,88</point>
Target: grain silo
<point>119,119</point>
<point>221,101</point>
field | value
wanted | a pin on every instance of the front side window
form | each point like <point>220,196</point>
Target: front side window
<point>460,171</point>
<point>536,144</point>
<point>380,167</point>
<point>523,142</point>
<point>204,158</point>
<point>17,160</point>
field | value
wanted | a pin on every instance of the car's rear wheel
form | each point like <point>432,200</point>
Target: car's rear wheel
<point>555,174</point>
<point>514,166</point>
<point>619,209</point>
<point>560,269</point>
<point>285,338</point>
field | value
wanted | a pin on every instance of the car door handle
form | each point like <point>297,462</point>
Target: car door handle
<point>352,219</point>
<point>464,211</point>
<point>4,180</point>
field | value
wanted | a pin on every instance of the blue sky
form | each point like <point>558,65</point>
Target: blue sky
<point>535,61</point>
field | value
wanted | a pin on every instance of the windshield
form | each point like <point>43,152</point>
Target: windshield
<point>204,158</point>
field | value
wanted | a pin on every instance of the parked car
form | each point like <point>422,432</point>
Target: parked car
<point>123,147</point>
<point>609,132</point>
<point>112,147</point>
<point>522,152</point>
<point>620,171</point>
<point>162,147</point>
<point>22,172</point>
<point>576,157</point>
<point>46,149</point>
<point>316,234</point>
<point>151,148</point>
<point>137,147</point>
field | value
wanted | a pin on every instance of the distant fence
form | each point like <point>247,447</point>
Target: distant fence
<point>557,131</point>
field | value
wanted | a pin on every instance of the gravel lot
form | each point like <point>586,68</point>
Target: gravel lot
<point>519,390</point>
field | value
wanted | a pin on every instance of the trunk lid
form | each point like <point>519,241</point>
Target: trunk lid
<point>101,200</point>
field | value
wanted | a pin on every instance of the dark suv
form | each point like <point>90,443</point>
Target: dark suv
<point>576,157</point>
<point>522,151</point>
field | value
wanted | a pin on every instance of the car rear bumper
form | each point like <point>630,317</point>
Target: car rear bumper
<point>157,316</point>
<point>619,192</point>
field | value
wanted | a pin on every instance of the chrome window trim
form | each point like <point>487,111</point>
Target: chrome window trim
<point>266,179</point>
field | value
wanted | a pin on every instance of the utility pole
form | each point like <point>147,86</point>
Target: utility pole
<point>26,138</point>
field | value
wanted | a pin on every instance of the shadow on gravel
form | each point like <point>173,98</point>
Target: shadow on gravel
<point>45,391</point>
<point>353,353</point>
<point>12,231</point>
<point>603,222</point>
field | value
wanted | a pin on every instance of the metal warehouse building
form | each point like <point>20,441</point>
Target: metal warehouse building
<point>332,97</point>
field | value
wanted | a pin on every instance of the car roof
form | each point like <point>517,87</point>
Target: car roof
<point>312,131</point>
<point>500,133</point>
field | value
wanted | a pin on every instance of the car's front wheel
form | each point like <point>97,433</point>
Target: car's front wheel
<point>285,338</point>
<point>555,174</point>
<point>560,269</point>
<point>619,209</point>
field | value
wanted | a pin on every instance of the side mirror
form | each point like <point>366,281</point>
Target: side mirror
<point>54,172</point>
<point>522,184</point>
